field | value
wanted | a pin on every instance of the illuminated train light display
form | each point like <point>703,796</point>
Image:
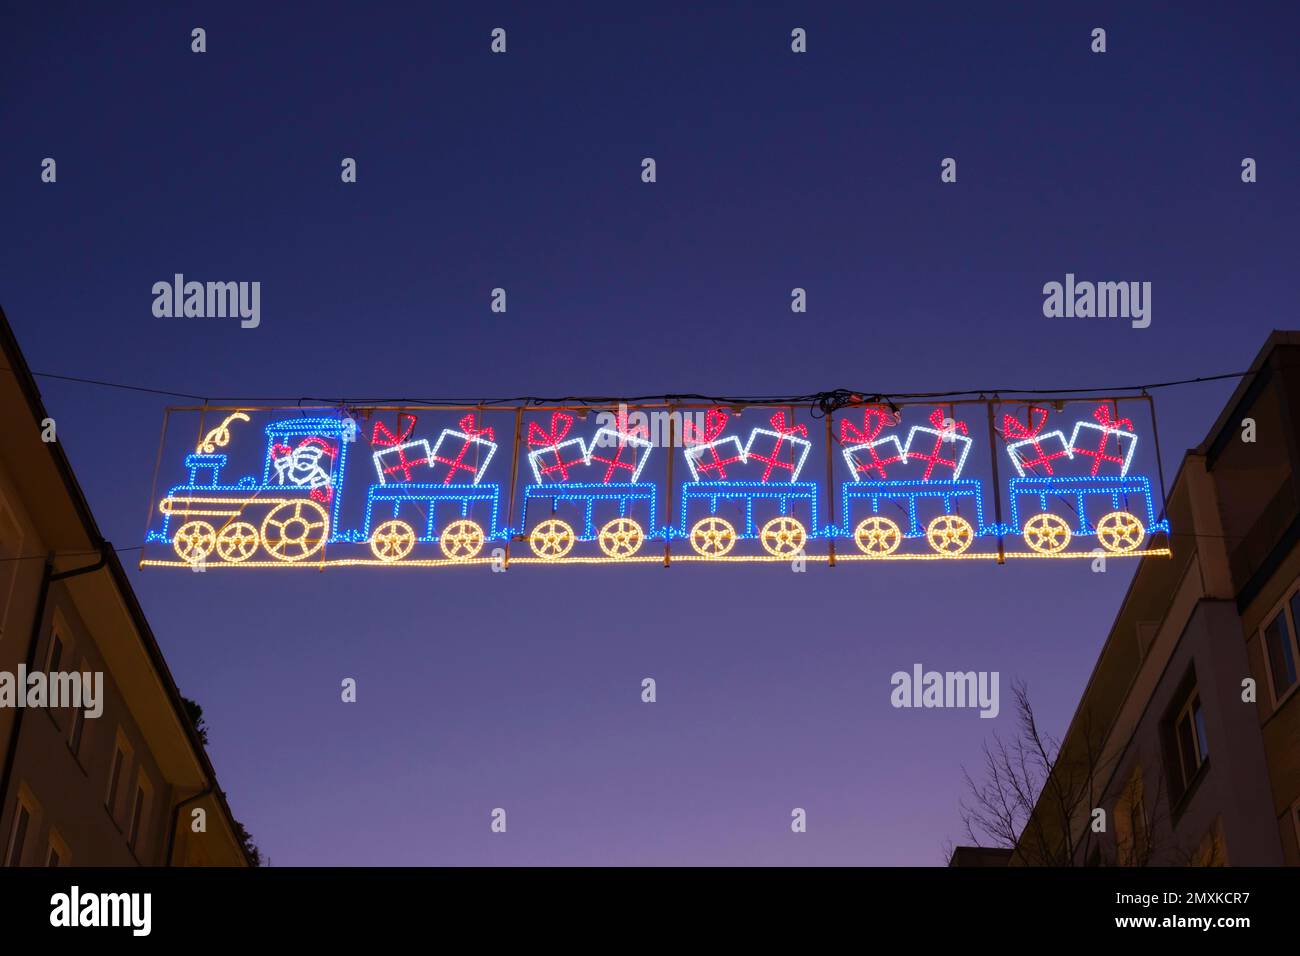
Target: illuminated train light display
<point>332,493</point>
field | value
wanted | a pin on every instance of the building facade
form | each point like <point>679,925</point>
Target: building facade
<point>1187,736</point>
<point>120,788</point>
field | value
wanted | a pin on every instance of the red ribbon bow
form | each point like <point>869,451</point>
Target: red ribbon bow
<point>1015,430</point>
<point>405,425</point>
<point>715,420</point>
<point>940,421</point>
<point>468,427</point>
<point>560,425</point>
<point>1102,414</point>
<point>623,428</point>
<point>778,422</point>
<point>874,421</point>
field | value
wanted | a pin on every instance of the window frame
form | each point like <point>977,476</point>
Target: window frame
<point>1191,706</point>
<point>1283,610</point>
<point>116,773</point>
<point>24,803</point>
<point>77,727</point>
<point>141,806</point>
<point>9,515</point>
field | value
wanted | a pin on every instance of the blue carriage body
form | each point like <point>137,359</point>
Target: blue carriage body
<point>613,499</point>
<point>949,495</point>
<point>783,495</point>
<point>1076,492</point>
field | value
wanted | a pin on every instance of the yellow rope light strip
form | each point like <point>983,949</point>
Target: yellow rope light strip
<point>647,559</point>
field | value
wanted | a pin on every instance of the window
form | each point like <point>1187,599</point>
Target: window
<point>11,546</point>
<point>78,721</point>
<point>139,812</point>
<point>1192,747</point>
<point>114,778</point>
<point>1184,742</point>
<point>1132,846</point>
<point>1282,648</point>
<point>57,854</point>
<point>56,653</point>
<point>22,822</point>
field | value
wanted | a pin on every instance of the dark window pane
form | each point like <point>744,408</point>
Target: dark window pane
<point>78,727</point>
<point>1186,748</point>
<point>135,816</point>
<point>1281,663</point>
<point>54,858</point>
<point>1199,716</point>
<point>56,652</point>
<point>113,781</point>
<point>20,836</point>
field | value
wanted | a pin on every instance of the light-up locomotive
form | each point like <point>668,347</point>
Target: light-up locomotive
<point>296,508</point>
<point>906,496</point>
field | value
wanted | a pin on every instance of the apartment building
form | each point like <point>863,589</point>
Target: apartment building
<point>120,788</point>
<point>1188,732</point>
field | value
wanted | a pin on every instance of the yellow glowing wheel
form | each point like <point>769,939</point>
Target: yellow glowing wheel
<point>1047,533</point>
<point>950,535</point>
<point>713,537</point>
<point>621,538</point>
<point>783,537</point>
<point>392,541</point>
<point>295,530</point>
<point>237,541</point>
<point>878,536</point>
<point>461,540</point>
<point>193,541</point>
<point>552,539</point>
<point>1120,532</point>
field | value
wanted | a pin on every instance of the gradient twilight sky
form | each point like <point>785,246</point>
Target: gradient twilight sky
<point>776,170</point>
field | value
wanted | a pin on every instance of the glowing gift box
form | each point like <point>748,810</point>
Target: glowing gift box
<point>708,461</point>
<point>941,448</point>
<point>708,452</point>
<point>552,455</point>
<point>862,444</point>
<point>866,462</point>
<point>777,454</point>
<point>400,462</point>
<point>1029,447</point>
<point>461,456</point>
<point>1110,442</point>
<point>619,454</point>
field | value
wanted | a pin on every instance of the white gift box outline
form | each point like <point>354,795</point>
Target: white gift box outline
<point>383,478</point>
<point>482,467</point>
<point>1117,432</point>
<point>554,450</point>
<point>626,439</point>
<point>1036,440</point>
<point>694,452</point>
<point>807,446</point>
<point>947,435</point>
<point>853,462</point>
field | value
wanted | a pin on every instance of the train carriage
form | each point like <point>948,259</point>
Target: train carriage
<point>1103,506</point>
<point>948,531</point>
<point>782,534</point>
